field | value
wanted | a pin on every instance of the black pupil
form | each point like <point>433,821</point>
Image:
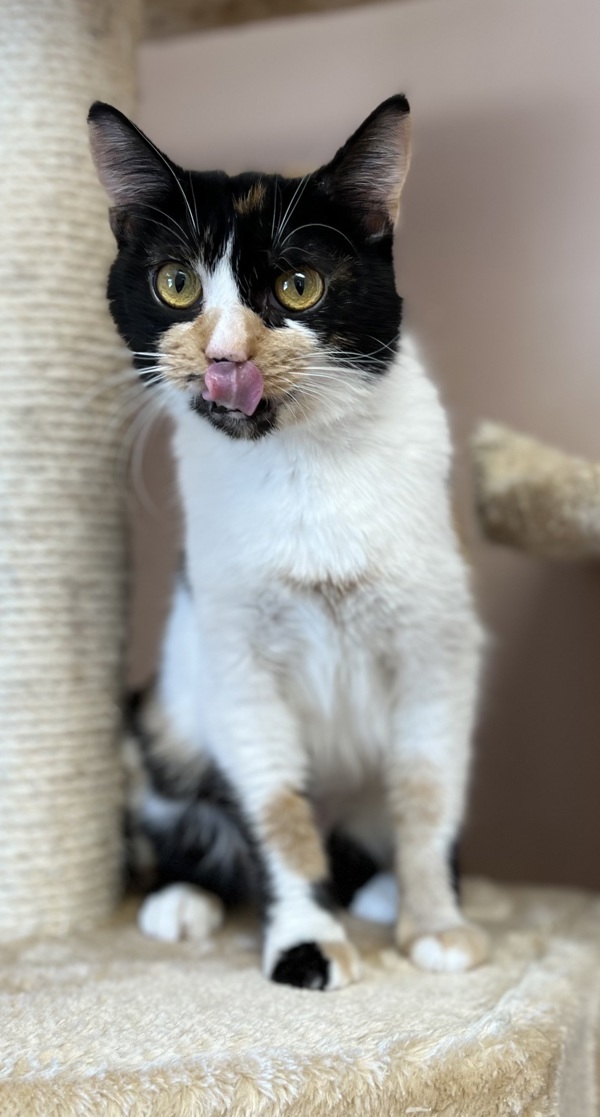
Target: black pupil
<point>299,282</point>
<point>180,278</point>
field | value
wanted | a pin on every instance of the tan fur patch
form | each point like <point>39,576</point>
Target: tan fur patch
<point>252,201</point>
<point>332,592</point>
<point>345,957</point>
<point>416,799</point>
<point>289,826</point>
<point>280,356</point>
<point>184,344</point>
<point>278,353</point>
<point>417,803</point>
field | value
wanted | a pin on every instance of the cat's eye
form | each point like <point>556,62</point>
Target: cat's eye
<point>299,290</point>
<point>177,285</point>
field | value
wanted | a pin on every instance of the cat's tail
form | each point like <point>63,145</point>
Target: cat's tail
<point>182,821</point>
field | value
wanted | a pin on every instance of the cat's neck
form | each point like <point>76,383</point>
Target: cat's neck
<point>315,504</point>
<point>400,413</point>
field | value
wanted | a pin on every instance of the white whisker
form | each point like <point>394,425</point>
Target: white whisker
<point>171,171</point>
<point>193,194</point>
<point>127,378</point>
<point>319,225</point>
<point>291,207</point>
<point>276,196</point>
<point>138,447</point>
<point>184,236</point>
<point>384,345</point>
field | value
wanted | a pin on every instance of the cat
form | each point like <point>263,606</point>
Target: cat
<point>314,707</point>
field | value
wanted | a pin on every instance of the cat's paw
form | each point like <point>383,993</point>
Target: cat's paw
<point>180,911</point>
<point>451,951</point>
<point>317,965</point>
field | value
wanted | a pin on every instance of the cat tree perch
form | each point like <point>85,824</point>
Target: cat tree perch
<point>534,497</point>
<point>101,1021</point>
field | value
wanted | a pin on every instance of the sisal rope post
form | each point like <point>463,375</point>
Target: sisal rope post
<point>62,528</point>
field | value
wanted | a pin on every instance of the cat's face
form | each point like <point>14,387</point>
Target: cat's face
<point>259,301</point>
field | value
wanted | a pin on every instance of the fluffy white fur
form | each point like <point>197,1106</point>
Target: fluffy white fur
<point>180,911</point>
<point>332,644</point>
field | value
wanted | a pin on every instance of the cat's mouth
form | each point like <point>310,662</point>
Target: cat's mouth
<point>232,399</point>
<point>234,422</point>
<point>261,408</point>
<point>235,385</point>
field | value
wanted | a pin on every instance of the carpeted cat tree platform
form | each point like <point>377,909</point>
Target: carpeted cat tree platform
<point>105,1022</point>
<point>96,1021</point>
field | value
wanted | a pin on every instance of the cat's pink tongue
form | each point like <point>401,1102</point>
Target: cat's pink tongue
<point>236,386</point>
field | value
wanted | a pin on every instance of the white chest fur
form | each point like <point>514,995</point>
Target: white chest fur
<point>321,563</point>
<point>334,504</point>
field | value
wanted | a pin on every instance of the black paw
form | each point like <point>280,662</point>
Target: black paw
<point>303,966</point>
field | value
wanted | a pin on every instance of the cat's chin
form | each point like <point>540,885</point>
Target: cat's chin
<point>234,423</point>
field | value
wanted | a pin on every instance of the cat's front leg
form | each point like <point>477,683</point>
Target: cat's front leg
<point>257,741</point>
<point>304,944</point>
<point>427,779</point>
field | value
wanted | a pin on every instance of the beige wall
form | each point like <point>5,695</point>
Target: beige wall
<point>499,261</point>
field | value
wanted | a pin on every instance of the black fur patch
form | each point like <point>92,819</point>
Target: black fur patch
<point>250,427</point>
<point>350,867</point>
<point>303,966</point>
<point>208,842</point>
<point>323,895</point>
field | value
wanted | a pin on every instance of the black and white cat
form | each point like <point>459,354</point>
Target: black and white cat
<point>313,712</point>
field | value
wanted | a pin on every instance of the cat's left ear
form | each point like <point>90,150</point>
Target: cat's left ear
<point>129,166</point>
<point>369,171</point>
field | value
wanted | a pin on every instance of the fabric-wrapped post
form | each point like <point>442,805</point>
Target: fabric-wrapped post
<point>62,531</point>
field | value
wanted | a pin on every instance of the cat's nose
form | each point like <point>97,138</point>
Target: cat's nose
<point>235,353</point>
<point>230,339</point>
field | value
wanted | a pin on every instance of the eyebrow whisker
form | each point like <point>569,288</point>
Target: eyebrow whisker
<point>172,172</point>
<point>292,206</point>
<point>319,225</point>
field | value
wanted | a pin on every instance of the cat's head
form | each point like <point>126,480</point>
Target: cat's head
<point>262,301</point>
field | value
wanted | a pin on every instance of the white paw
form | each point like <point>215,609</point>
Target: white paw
<point>452,951</point>
<point>180,911</point>
<point>377,900</point>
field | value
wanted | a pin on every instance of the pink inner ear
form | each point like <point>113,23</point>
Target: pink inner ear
<point>236,386</point>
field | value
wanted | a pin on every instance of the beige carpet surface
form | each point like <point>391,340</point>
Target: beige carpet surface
<point>109,1023</point>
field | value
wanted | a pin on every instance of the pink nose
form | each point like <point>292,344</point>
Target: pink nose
<point>216,351</point>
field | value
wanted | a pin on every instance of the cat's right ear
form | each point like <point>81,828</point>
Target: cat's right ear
<point>368,172</point>
<point>131,169</point>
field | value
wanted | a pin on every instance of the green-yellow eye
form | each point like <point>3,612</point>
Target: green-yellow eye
<point>177,285</point>
<point>299,290</point>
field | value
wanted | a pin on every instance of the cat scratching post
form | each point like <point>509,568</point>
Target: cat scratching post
<point>534,497</point>
<point>62,555</point>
